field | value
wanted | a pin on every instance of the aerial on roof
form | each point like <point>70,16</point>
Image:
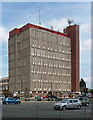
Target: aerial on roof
<point>27,26</point>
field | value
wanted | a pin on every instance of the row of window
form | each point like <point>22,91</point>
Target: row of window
<point>23,36</point>
<point>52,47</point>
<point>4,81</point>
<point>42,52</point>
<point>22,62</point>
<point>23,45</point>
<point>50,62</point>
<point>41,77</point>
<point>53,71</point>
<point>51,85</point>
<point>48,36</point>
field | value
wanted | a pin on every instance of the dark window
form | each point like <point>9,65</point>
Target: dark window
<point>33,91</point>
<point>81,99</point>
<point>86,99</point>
<point>45,92</point>
<point>39,91</point>
<point>75,100</point>
<point>9,98</point>
<point>70,101</point>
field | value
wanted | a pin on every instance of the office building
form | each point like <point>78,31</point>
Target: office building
<point>40,60</point>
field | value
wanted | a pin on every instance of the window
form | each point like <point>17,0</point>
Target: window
<point>75,101</point>
<point>34,84</point>
<point>41,61</point>
<point>59,48</point>
<point>33,59</point>
<point>46,53</point>
<point>38,43</point>
<point>32,51</point>
<point>40,84</point>
<point>38,60</point>
<point>33,76</point>
<point>43,53</point>
<point>43,44</point>
<point>53,55</point>
<point>48,44</point>
<point>70,101</point>
<point>38,52</point>
<point>35,51</point>
<point>33,41</point>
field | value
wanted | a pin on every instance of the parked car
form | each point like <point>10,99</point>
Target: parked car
<point>45,96</point>
<point>11,100</point>
<point>38,98</point>
<point>2,96</point>
<point>58,99</point>
<point>84,100</point>
<point>68,103</point>
<point>17,97</point>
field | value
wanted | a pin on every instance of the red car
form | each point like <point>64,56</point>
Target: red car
<point>45,96</point>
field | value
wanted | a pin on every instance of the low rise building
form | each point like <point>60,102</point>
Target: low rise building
<point>4,84</point>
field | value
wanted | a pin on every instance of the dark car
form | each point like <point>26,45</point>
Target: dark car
<point>58,99</point>
<point>11,100</point>
<point>17,97</point>
<point>38,98</point>
<point>84,101</point>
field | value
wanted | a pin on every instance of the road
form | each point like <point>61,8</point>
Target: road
<point>42,110</point>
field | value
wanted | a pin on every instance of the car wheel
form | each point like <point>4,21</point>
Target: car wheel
<point>87,104</point>
<point>7,103</point>
<point>64,107</point>
<point>79,106</point>
<point>17,102</point>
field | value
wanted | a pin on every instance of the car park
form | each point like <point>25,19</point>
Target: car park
<point>10,100</point>
<point>68,103</point>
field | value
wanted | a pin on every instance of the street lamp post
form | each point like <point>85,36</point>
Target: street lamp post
<point>21,87</point>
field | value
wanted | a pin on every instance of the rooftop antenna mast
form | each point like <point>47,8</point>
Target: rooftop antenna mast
<point>39,18</point>
<point>70,21</point>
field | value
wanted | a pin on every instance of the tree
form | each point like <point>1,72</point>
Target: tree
<point>26,93</point>
<point>50,94</point>
<point>82,83</point>
<point>6,93</point>
<point>91,91</point>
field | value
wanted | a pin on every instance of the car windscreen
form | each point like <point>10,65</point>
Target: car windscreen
<point>63,101</point>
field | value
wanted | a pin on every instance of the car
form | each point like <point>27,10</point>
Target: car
<point>17,97</point>
<point>11,100</point>
<point>45,96</point>
<point>2,96</point>
<point>58,99</point>
<point>38,98</point>
<point>68,103</point>
<point>85,101</point>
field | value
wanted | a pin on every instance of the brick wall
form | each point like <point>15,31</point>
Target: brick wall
<point>73,33</point>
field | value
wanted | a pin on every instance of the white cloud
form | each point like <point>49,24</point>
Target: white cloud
<point>88,82</point>
<point>0,76</point>
<point>58,24</point>
<point>86,28</point>
<point>85,46</point>
<point>3,34</point>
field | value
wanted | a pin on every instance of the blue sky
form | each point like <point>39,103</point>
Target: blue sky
<point>16,14</point>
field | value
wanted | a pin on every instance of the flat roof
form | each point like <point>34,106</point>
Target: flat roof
<point>27,26</point>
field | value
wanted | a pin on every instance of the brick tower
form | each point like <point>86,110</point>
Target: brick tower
<point>73,33</point>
